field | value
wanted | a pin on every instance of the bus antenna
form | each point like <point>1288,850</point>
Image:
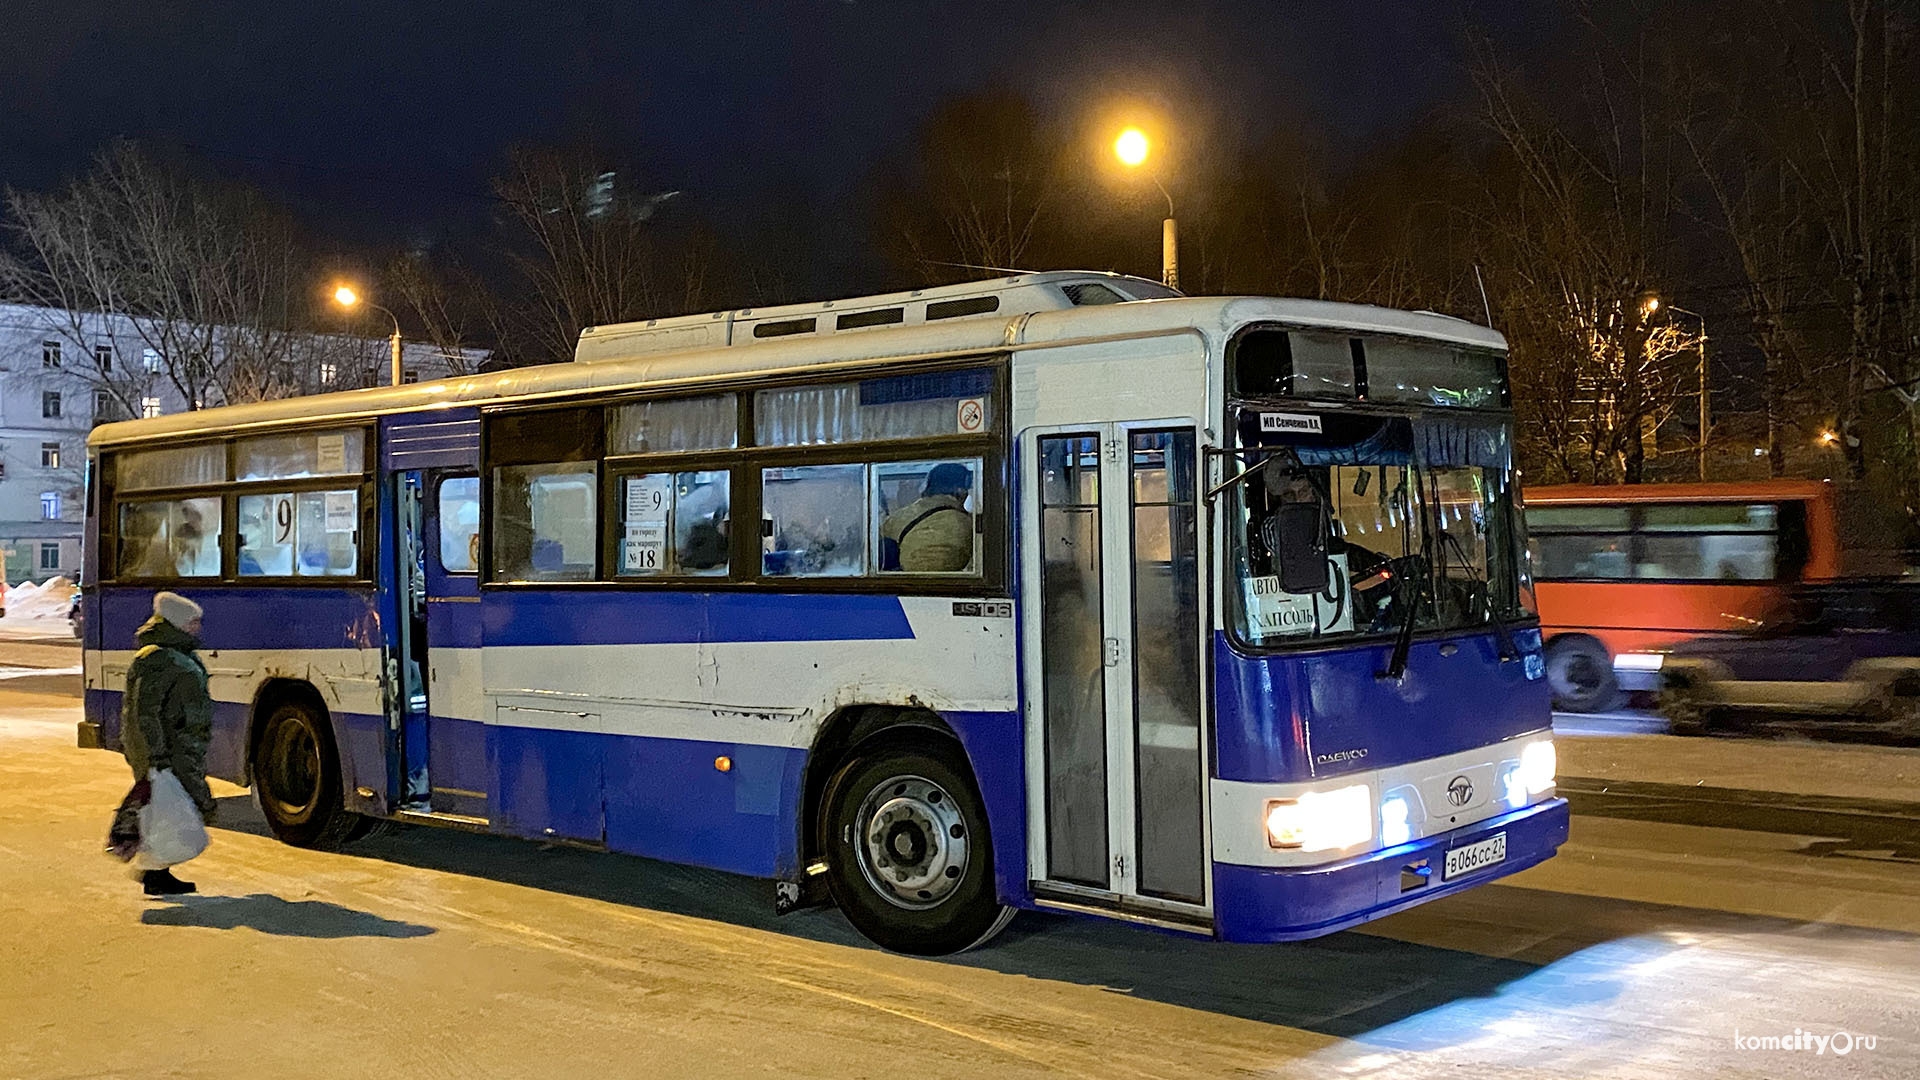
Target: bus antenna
<point>1484,305</point>
<point>977,266</point>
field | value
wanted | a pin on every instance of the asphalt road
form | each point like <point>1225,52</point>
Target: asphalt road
<point>1676,924</point>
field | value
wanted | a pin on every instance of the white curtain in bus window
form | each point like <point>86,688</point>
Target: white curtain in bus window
<point>1708,542</point>
<point>177,538</point>
<point>925,515</point>
<point>1428,373</point>
<point>674,523</point>
<point>815,521</point>
<point>182,466</point>
<point>544,527</point>
<point>899,407</point>
<point>299,534</point>
<point>291,457</point>
<point>459,512</point>
<point>652,427</point>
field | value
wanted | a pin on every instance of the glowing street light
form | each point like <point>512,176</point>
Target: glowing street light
<point>1131,148</point>
<point>1649,304</point>
<point>346,297</point>
<point>1829,438</point>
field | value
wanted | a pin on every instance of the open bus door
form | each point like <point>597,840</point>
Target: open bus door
<point>432,469</point>
<point>443,747</point>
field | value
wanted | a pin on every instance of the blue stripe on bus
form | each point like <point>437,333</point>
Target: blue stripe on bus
<point>253,617</point>
<point>242,617</point>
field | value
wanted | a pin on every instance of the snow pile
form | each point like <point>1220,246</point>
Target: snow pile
<point>47,600</point>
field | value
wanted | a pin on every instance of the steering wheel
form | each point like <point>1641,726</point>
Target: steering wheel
<point>1386,571</point>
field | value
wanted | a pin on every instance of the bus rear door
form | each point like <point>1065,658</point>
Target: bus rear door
<point>442,741</point>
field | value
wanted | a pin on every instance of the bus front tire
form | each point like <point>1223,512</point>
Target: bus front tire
<point>296,779</point>
<point>1581,675</point>
<point>909,856</point>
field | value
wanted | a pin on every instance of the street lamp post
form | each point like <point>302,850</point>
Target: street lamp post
<point>1131,148</point>
<point>347,298</point>
<point>1706,391</point>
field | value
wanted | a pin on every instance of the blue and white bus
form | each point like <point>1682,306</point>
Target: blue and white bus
<point>1057,591</point>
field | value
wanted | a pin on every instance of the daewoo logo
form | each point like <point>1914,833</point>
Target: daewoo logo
<point>1340,756</point>
<point>1460,791</point>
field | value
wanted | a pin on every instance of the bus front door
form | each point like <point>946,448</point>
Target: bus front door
<point>1114,624</point>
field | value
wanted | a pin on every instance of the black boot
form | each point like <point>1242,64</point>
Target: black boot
<point>163,883</point>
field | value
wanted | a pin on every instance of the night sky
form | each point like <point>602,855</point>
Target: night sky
<point>380,122</point>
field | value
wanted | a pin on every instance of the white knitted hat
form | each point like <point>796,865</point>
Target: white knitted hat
<point>175,608</point>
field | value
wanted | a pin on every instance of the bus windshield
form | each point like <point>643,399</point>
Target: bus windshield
<point>1405,500</point>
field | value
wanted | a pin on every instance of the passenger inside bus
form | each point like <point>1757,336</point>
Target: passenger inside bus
<point>700,521</point>
<point>933,533</point>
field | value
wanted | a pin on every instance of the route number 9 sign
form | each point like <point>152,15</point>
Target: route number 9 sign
<point>283,517</point>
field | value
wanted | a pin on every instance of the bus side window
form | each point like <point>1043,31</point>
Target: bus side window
<point>672,524</point>
<point>303,534</point>
<point>927,515</point>
<point>815,521</point>
<point>544,523</point>
<point>459,513</point>
<point>178,538</point>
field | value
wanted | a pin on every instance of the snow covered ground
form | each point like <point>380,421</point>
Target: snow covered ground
<point>37,611</point>
<point>1642,951</point>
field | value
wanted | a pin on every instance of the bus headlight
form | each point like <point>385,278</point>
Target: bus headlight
<point>1538,766</point>
<point>1322,820</point>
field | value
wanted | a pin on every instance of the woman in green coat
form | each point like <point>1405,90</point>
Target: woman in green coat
<point>166,716</point>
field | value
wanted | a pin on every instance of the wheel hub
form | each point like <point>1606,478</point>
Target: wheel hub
<point>294,781</point>
<point>913,848</point>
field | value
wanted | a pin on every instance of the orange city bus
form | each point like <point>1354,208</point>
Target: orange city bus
<point>1624,572</point>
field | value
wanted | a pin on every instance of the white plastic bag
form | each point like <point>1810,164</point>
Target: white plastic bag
<point>171,831</point>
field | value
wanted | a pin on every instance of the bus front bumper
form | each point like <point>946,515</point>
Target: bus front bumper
<point>1265,904</point>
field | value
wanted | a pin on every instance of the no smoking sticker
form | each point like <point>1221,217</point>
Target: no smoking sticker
<point>972,416</point>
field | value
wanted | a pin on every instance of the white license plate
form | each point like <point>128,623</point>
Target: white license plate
<point>1475,856</point>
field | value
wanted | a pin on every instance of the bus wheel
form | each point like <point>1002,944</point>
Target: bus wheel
<point>1581,675</point>
<point>296,779</point>
<point>908,853</point>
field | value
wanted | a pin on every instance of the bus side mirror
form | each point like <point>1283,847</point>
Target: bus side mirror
<point>1301,556</point>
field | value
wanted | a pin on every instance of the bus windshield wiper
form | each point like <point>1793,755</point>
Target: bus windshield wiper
<point>1410,587</point>
<point>1508,650</point>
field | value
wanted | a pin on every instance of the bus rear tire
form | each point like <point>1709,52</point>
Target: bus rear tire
<point>1581,675</point>
<point>296,779</point>
<point>909,855</point>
